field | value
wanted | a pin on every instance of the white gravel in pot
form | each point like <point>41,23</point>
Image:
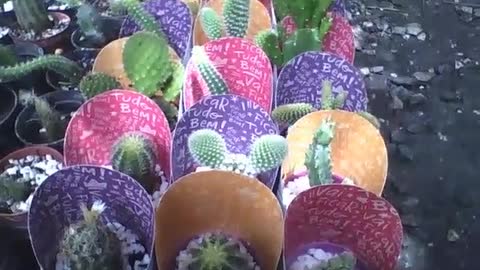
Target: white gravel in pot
<point>311,259</point>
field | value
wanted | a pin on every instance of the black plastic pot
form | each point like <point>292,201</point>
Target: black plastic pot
<point>27,124</point>
<point>111,30</point>
<point>84,58</point>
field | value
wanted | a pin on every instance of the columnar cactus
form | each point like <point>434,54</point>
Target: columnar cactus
<point>290,113</point>
<point>216,251</point>
<point>51,120</point>
<point>65,67</point>
<point>90,245</point>
<point>146,61</point>
<point>212,24</point>
<point>142,17</point>
<point>208,148</point>
<point>236,15</point>
<point>214,80</point>
<point>93,84</point>
<point>329,102</point>
<point>343,261</point>
<point>133,154</point>
<point>318,156</point>
<point>90,24</point>
<point>32,15</point>
<point>268,152</point>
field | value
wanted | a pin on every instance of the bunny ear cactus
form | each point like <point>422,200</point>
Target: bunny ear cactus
<point>142,17</point>
<point>207,147</point>
<point>236,15</point>
<point>343,261</point>
<point>290,113</point>
<point>93,84</point>
<point>268,152</point>
<point>90,245</point>
<point>212,24</point>
<point>51,119</point>
<point>318,157</point>
<point>146,62</point>
<point>269,41</point>
<point>214,80</point>
<point>133,154</point>
<point>32,15</point>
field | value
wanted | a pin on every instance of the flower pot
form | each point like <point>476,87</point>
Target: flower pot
<point>358,149</point>
<point>110,29</point>
<point>224,201</point>
<point>259,20</point>
<point>84,58</point>
<point>50,44</point>
<point>238,120</point>
<point>301,81</point>
<point>18,221</point>
<point>27,124</point>
<point>338,218</point>
<point>56,205</point>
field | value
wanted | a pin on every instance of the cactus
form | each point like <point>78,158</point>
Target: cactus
<point>214,80</point>
<point>269,41</point>
<point>308,13</point>
<point>146,61</point>
<point>142,17</point>
<point>318,156</point>
<point>302,40</point>
<point>91,24</point>
<point>173,86</point>
<point>170,111</point>
<point>117,7</point>
<point>343,261</point>
<point>52,121</point>
<point>32,15</point>
<point>268,152</point>
<point>236,14</point>
<point>329,102</point>
<point>11,190</point>
<point>207,148</point>
<point>65,67</point>
<point>93,84</point>
<point>7,56</point>
<point>290,113</point>
<point>371,118</point>
<point>212,24</point>
<point>90,245</point>
<point>216,251</point>
<point>133,154</point>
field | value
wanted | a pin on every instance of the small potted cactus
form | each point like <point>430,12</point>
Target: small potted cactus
<point>363,229</point>
<point>230,18</point>
<point>21,172</point>
<point>212,237</point>
<point>110,229</point>
<point>35,24</point>
<point>241,133</point>
<point>44,121</point>
<point>229,65</point>
<point>126,131</point>
<point>93,84</point>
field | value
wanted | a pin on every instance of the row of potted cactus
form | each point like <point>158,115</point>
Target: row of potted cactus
<point>172,149</point>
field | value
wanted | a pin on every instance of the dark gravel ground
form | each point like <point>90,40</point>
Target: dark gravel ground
<point>431,122</point>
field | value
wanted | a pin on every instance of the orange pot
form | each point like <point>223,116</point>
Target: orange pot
<point>259,20</point>
<point>219,200</point>
<point>358,149</point>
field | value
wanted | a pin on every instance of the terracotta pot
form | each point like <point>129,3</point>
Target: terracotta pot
<point>19,220</point>
<point>358,149</point>
<point>259,21</point>
<point>235,204</point>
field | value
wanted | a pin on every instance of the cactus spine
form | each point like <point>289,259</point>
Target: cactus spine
<point>290,113</point>
<point>268,152</point>
<point>142,17</point>
<point>343,261</point>
<point>32,15</point>
<point>51,119</point>
<point>318,156</point>
<point>211,23</point>
<point>207,147</point>
<point>90,24</point>
<point>329,102</point>
<point>90,245</point>
<point>211,76</point>
<point>93,84</point>
<point>236,15</point>
<point>133,154</point>
<point>56,63</point>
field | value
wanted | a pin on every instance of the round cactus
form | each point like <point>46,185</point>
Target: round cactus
<point>213,251</point>
<point>146,61</point>
<point>207,147</point>
<point>268,152</point>
<point>90,245</point>
<point>133,154</point>
<point>212,24</point>
<point>96,83</point>
<point>290,113</point>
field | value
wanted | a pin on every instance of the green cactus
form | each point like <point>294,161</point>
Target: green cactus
<point>11,190</point>
<point>170,111</point>
<point>217,251</point>
<point>117,7</point>
<point>269,41</point>
<point>308,13</point>
<point>32,15</point>
<point>65,67</point>
<point>281,9</point>
<point>212,24</point>
<point>290,113</point>
<point>93,84</point>
<point>90,245</point>
<point>52,121</point>
<point>7,56</point>
<point>142,17</point>
<point>146,61</point>
<point>329,102</point>
<point>268,152</point>
<point>91,24</point>
<point>133,154</point>
<point>302,40</point>
<point>214,80</point>
<point>371,118</point>
<point>207,147</point>
<point>343,261</point>
<point>173,86</point>
<point>318,156</point>
<point>236,14</point>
